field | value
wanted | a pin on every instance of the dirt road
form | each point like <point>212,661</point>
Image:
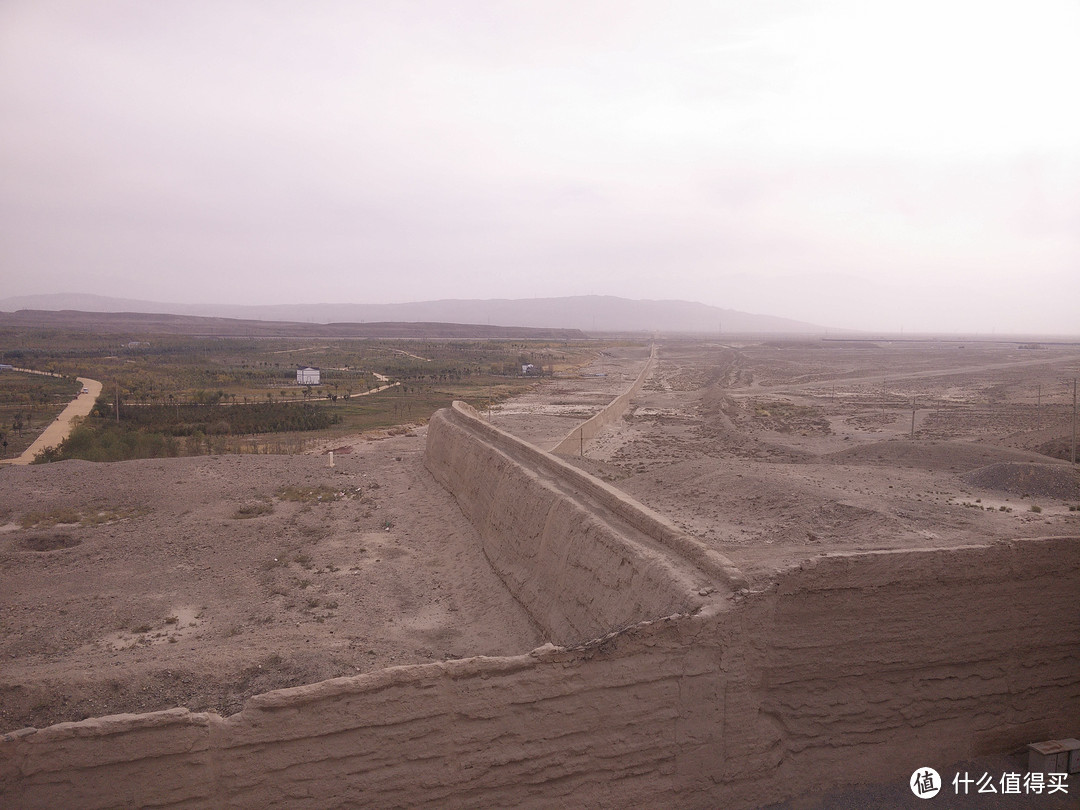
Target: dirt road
<point>386,384</point>
<point>61,427</point>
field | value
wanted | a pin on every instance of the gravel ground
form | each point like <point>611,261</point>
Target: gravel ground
<point>199,582</point>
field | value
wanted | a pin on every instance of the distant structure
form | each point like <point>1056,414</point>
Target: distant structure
<point>6,367</point>
<point>307,375</point>
<point>528,369</point>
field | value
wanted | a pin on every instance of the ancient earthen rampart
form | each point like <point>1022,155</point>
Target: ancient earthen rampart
<point>582,557</point>
<point>571,443</point>
<point>852,668</point>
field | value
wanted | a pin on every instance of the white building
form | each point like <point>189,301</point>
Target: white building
<point>307,376</point>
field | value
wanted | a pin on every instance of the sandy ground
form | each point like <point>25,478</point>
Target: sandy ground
<point>777,452</point>
<point>164,594</point>
<point>197,582</point>
<point>548,414</point>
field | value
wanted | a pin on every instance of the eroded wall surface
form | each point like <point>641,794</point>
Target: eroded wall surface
<point>852,668</point>
<point>878,663</point>
<point>580,556</point>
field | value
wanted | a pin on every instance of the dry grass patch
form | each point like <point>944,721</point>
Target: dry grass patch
<point>319,494</point>
<point>43,520</point>
<point>67,516</point>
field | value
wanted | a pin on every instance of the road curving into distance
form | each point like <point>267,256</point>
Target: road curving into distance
<point>61,427</point>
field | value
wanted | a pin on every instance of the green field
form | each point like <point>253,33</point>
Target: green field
<point>166,395</point>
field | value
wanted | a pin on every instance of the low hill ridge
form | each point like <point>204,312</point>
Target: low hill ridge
<point>588,313</point>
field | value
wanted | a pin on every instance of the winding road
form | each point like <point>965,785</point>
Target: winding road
<point>61,427</point>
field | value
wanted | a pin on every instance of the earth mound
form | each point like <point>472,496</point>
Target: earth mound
<point>1060,447</point>
<point>1048,480</point>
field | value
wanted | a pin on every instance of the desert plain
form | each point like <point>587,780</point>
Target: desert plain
<point>202,581</point>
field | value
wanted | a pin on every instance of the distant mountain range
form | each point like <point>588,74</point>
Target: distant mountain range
<point>589,313</point>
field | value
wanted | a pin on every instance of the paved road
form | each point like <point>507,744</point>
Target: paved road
<point>61,426</point>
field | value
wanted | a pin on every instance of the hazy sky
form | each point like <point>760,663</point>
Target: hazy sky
<point>908,165</point>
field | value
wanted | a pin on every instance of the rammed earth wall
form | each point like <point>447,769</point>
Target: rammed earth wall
<point>853,668</point>
<point>582,557</point>
<point>571,444</point>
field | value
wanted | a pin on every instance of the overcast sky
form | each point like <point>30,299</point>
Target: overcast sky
<point>856,164</point>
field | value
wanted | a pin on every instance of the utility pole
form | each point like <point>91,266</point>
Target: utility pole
<point>1074,423</point>
<point>581,443</point>
<point>913,417</point>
